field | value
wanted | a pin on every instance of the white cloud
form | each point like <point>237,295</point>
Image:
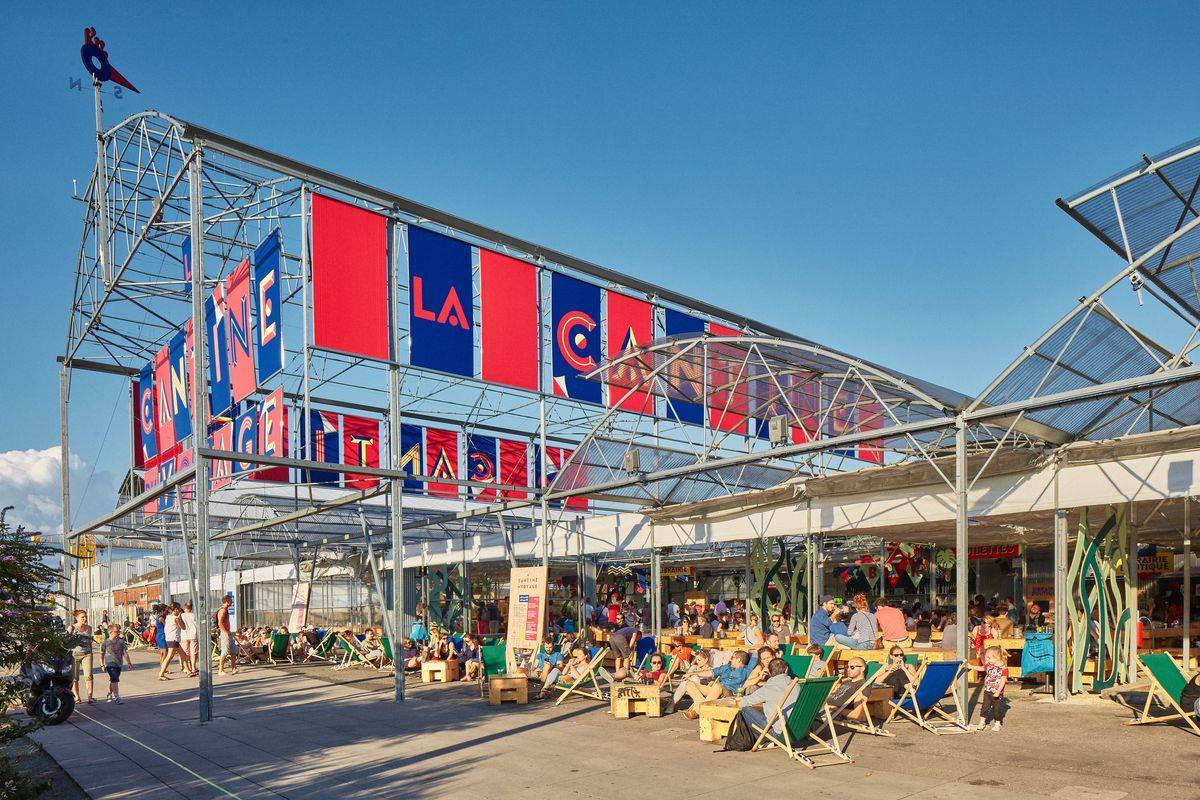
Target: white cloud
<point>30,482</point>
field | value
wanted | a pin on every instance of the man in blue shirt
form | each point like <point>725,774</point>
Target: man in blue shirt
<point>547,658</point>
<point>819,627</point>
<point>726,681</point>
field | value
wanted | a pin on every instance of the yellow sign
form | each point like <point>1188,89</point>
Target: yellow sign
<point>526,607</point>
<point>1156,564</point>
<point>669,573</point>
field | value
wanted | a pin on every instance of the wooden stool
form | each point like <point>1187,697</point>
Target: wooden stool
<point>508,687</point>
<point>439,671</point>
<point>637,698</point>
<point>715,718</point>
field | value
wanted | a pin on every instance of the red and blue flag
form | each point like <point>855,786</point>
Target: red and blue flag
<point>441,322</point>
<point>268,329</point>
<point>575,330</point>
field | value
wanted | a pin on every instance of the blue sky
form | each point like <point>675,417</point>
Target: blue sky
<point>880,178</point>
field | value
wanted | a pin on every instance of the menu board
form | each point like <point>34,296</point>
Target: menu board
<point>526,607</point>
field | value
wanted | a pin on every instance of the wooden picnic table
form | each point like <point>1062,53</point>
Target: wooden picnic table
<point>1159,636</point>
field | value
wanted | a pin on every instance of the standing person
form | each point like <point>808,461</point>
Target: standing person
<point>672,614</point>
<point>187,640</point>
<point>160,632</point>
<point>226,638</point>
<point>115,651</point>
<point>995,669</point>
<point>82,653</point>
<point>171,631</point>
<point>623,642</point>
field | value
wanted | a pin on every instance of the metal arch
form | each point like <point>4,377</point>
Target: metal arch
<point>864,368</point>
<point>149,113</point>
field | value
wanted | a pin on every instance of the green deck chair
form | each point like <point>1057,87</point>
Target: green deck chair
<point>801,722</point>
<point>324,649</point>
<point>494,658</point>
<point>798,666</point>
<point>280,649</point>
<point>1167,683</point>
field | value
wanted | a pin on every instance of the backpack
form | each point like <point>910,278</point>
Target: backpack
<point>740,738</point>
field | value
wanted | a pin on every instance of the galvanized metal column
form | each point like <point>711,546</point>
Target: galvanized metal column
<point>931,576</point>
<point>1187,583</point>
<point>1060,598</point>
<point>746,580</point>
<point>961,539</point>
<point>1131,598</point>
<point>200,428</point>
<point>66,565</point>
<point>656,596</point>
<point>396,455</point>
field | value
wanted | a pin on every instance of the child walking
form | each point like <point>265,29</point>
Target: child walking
<point>115,651</point>
<point>995,676</point>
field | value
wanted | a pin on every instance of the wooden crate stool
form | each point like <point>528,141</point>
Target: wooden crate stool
<point>715,718</point>
<point>635,698</point>
<point>439,671</point>
<point>508,687</point>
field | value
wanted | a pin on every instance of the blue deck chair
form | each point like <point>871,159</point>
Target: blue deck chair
<point>645,646</point>
<point>922,700</point>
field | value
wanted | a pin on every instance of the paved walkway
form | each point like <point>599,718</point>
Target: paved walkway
<point>284,734</point>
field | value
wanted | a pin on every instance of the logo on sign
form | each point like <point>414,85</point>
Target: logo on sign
<point>451,310</point>
<point>572,338</point>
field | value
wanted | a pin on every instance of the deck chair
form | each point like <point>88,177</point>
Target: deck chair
<point>668,664</point>
<point>801,722</point>
<point>798,666</point>
<point>921,701</point>
<point>587,685</point>
<point>324,649</point>
<point>355,655</point>
<point>1167,683</point>
<point>644,647</point>
<point>868,693</point>
<point>494,659</point>
<point>280,648</point>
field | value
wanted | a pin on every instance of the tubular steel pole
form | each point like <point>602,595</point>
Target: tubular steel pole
<point>961,543</point>
<point>1060,598</point>
<point>64,456</point>
<point>100,192</point>
<point>1187,583</point>
<point>396,455</point>
<point>1131,599</point>
<point>200,415</point>
<point>306,350</point>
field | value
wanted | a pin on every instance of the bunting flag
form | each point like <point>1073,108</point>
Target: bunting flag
<point>145,413</point>
<point>178,371</point>
<point>629,326</point>
<point>514,468</point>
<point>412,455</point>
<point>441,460</point>
<point>871,417</point>
<point>149,481</point>
<point>360,448</point>
<point>349,279</point>
<point>684,378</point>
<point>441,325</point>
<point>728,401</point>
<point>240,324</point>
<point>268,328</point>
<point>245,438</point>
<point>575,315</point>
<point>216,331</point>
<point>272,435</point>
<point>482,467</point>
<point>165,424</point>
<point>221,471</point>
<point>508,309</point>
<point>324,444</point>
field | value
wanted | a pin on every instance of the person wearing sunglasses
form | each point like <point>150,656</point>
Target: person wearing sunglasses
<point>896,672</point>
<point>854,675</point>
<point>657,672</point>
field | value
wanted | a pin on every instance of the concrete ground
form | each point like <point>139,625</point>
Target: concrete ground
<point>290,732</point>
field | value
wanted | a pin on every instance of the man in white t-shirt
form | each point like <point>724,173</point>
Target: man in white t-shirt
<point>187,640</point>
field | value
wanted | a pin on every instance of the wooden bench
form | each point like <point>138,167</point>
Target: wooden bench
<point>439,671</point>
<point>638,698</point>
<point>715,718</point>
<point>508,687</point>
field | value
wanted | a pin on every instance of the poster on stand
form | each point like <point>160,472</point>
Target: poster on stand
<point>526,607</point>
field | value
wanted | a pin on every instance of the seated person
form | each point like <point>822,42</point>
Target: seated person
<point>853,678</point>
<point>680,651</point>
<point>372,646</point>
<point>759,674</point>
<point>816,667</point>
<point>575,668</point>
<point>470,659</point>
<point>752,632</point>
<point>772,641</point>
<point>700,664</point>
<point>568,643</point>
<point>727,681</point>
<point>758,706</point>
<point>546,658</point>
<point>410,655</point>
<point>1189,698</point>
<point>923,632</point>
<point>657,672</point>
<point>896,673</point>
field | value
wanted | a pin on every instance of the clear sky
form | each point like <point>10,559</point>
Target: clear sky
<point>880,179</point>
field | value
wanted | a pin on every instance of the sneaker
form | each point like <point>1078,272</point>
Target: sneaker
<point>117,700</point>
<point>996,725</point>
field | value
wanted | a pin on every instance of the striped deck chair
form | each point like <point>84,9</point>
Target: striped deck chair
<point>922,700</point>
<point>1167,683</point>
<point>801,722</point>
<point>588,684</point>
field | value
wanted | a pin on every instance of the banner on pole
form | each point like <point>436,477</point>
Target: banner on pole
<point>441,323</point>
<point>510,347</point>
<point>145,402</point>
<point>412,455</point>
<point>272,435</point>
<point>241,332</point>
<point>728,401</point>
<point>165,424</point>
<point>441,459</point>
<point>216,331</point>
<point>349,279</point>
<point>221,470</point>
<point>514,468</point>
<point>575,350</point>
<point>324,444</point>
<point>684,378</point>
<point>300,596</point>
<point>178,371</point>
<point>630,326</point>
<point>268,328</point>
<point>245,438</point>
<point>526,607</point>
<point>360,448</point>
<point>482,466</point>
